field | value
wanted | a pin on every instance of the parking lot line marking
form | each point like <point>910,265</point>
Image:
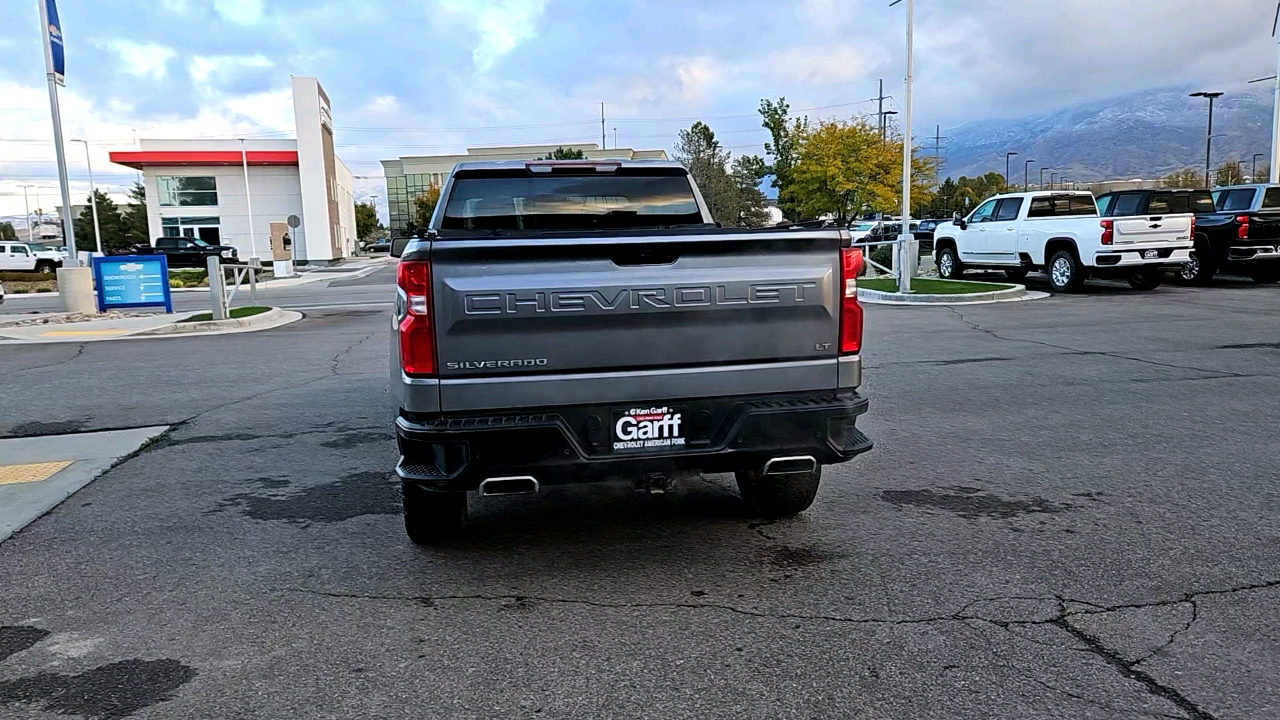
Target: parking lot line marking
<point>56,333</point>
<point>31,472</point>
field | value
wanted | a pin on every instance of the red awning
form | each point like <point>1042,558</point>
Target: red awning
<point>182,158</point>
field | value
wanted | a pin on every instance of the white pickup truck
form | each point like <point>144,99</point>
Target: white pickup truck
<point>1062,234</point>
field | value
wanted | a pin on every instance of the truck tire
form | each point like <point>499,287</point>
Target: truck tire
<point>1066,274</point>
<point>1200,269</point>
<point>1146,279</point>
<point>949,266</point>
<point>1266,274</point>
<point>44,267</point>
<point>433,517</point>
<point>778,496</point>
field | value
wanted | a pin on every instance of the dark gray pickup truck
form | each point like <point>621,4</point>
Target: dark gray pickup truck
<point>570,322</point>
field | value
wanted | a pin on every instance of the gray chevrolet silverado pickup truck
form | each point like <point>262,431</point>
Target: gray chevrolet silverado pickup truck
<point>578,321</point>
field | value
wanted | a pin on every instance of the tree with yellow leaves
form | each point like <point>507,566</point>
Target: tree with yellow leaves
<point>844,169</point>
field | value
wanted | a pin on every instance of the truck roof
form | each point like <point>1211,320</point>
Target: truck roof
<point>1045,193</point>
<point>521,164</point>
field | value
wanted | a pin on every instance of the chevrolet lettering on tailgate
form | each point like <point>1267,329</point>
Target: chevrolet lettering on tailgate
<point>657,298</point>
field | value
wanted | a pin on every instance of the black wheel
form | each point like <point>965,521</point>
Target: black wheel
<point>1200,269</point>
<point>1016,274</point>
<point>433,517</point>
<point>1146,279</point>
<point>949,267</point>
<point>779,496</point>
<point>45,268</point>
<point>1065,272</point>
<point>1266,274</point>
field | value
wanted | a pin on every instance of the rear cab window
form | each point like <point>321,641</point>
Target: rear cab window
<point>1235,200</point>
<point>1062,206</point>
<point>518,200</point>
<point>1181,203</point>
<point>1127,204</point>
<point>1271,199</point>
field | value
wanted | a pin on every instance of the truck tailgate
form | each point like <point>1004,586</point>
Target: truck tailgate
<point>506,307</point>
<point>1153,229</point>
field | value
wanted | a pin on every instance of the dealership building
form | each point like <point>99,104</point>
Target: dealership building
<point>409,177</point>
<point>204,189</point>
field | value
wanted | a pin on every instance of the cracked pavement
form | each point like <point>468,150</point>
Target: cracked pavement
<point>1071,512</point>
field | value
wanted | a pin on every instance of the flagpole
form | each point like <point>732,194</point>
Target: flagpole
<point>68,230</point>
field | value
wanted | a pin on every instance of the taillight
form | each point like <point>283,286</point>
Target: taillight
<point>417,339</point>
<point>850,311</point>
<point>1242,229</point>
<point>1108,232</point>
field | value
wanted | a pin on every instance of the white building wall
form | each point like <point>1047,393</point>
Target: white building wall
<point>315,242</point>
<point>275,194</point>
<point>346,209</point>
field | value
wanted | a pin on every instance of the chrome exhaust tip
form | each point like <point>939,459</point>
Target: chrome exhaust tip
<point>791,465</point>
<point>520,485</point>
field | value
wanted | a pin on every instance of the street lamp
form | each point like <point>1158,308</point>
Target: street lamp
<point>26,205</point>
<point>93,197</point>
<point>1006,167</point>
<point>884,123</point>
<point>1026,176</point>
<point>1208,148</point>
<point>1042,172</point>
<point>1064,183</point>
<point>1053,182</point>
<point>1253,176</point>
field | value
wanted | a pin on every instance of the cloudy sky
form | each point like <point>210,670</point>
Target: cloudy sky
<point>434,76</point>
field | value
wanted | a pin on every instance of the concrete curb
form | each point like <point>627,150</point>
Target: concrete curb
<point>876,297</point>
<point>273,318</point>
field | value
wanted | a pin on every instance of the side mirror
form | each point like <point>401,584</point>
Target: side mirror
<point>398,245</point>
<point>957,217</point>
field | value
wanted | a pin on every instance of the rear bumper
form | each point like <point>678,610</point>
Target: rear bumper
<point>1249,253</point>
<point>574,444</point>
<point>1126,257</point>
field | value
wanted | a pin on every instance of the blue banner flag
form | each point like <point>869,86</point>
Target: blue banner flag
<point>54,55</point>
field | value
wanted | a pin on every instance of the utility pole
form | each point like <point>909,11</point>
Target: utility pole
<point>603,145</point>
<point>1208,148</point>
<point>937,146</point>
<point>880,111</point>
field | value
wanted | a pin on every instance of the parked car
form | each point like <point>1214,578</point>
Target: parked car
<point>185,252</point>
<point>380,246</point>
<point>19,257</point>
<point>924,234</point>
<point>1062,234</point>
<point>571,322</point>
<point>860,230</point>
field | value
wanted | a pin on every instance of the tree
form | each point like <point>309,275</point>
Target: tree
<point>110,223</point>
<point>844,169</point>
<point>7,232</point>
<point>133,217</point>
<point>966,193</point>
<point>563,153</point>
<point>425,205</point>
<point>1184,178</point>
<point>1228,173</point>
<point>707,161</point>
<point>368,226</point>
<point>746,173</point>
<point>786,136</point>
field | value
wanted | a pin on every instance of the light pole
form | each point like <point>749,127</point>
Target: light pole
<point>1208,148</point>
<point>884,124</point>
<point>93,196</point>
<point>1042,172</point>
<point>1007,156</point>
<point>1026,176</point>
<point>1253,176</point>
<point>906,240</point>
<point>248,201</point>
<point>26,205</point>
<point>1240,170</point>
<point>1053,182</point>
<point>1064,182</point>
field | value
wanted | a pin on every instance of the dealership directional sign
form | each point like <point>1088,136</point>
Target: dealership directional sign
<point>132,281</point>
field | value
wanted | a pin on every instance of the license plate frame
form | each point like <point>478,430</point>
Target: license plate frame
<point>656,428</point>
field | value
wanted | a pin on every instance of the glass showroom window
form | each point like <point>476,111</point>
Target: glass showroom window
<point>187,191</point>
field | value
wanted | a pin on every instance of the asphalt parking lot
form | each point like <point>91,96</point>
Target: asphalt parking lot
<point>1072,512</point>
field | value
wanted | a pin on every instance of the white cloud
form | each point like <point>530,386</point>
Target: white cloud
<point>143,60</point>
<point>808,65</point>
<point>698,78</point>
<point>203,67</point>
<point>499,25</point>
<point>241,12</point>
